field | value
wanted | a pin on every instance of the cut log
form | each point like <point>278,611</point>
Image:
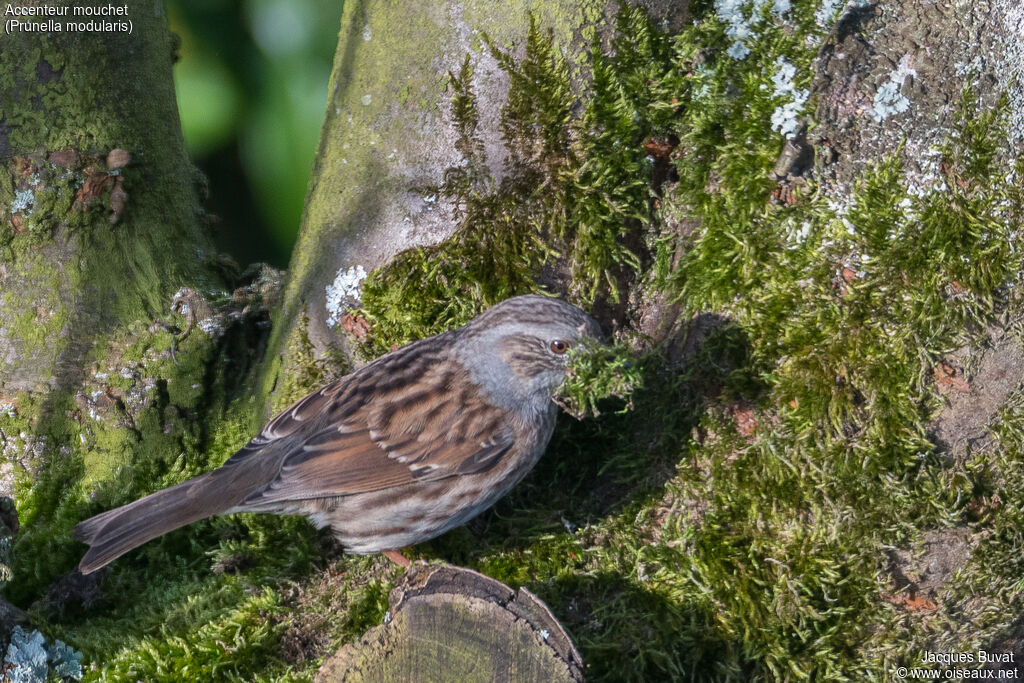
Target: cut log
<point>447,623</point>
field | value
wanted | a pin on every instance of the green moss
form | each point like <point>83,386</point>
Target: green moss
<point>302,372</point>
<point>596,373</point>
<point>145,417</point>
<point>66,104</point>
<point>558,206</point>
<point>758,485</point>
<point>222,649</point>
<point>85,276</point>
<point>355,161</point>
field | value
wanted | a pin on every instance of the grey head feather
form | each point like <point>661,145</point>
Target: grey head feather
<point>507,351</point>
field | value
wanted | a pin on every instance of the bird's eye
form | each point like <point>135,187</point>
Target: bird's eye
<point>559,346</point>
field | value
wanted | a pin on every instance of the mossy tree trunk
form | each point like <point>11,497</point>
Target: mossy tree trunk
<point>100,224</point>
<point>387,139</point>
<point>92,237</point>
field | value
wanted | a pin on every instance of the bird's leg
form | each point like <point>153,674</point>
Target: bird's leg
<point>396,557</point>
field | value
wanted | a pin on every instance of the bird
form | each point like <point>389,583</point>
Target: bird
<point>413,444</point>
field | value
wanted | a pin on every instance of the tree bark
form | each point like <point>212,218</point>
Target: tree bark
<point>894,73</point>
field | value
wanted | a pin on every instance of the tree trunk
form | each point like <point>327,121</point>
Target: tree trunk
<point>100,219</point>
<point>100,225</point>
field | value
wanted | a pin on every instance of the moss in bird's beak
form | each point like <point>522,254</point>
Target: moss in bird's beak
<point>597,372</point>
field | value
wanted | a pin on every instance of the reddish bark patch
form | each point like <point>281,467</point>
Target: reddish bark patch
<point>65,158</point>
<point>23,166</point>
<point>94,186</point>
<point>660,148</point>
<point>743,416</point>
<point>911,602</point>
<point>785,194</point>
<point>118,200</point>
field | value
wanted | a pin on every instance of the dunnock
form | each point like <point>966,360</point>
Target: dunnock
<point>418,442</point>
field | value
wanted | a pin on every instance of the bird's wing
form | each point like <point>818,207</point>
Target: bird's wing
<point>418,420</point>
<point>296,417</point>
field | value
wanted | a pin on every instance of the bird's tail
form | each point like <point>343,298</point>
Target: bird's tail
<point>114,532</point>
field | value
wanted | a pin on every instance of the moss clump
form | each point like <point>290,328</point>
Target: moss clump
<point>93,245</point>
<point>597,372</point>
<point>303,371</point>
<point>132,427</point>
<point>221,649</point>
<point>66,191</point>
<point>213,598</point>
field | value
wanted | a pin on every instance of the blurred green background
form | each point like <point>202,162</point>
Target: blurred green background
<point>252,85</point>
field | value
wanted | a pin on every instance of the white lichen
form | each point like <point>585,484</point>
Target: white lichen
<point>26,656</point>
<point>180,300</point>
<point>889,98</point>
<point>211,326</point>
<point>829,11</point>
<point>703,77</point>
<point>928,177</point>
<point>1012,66</point>
<point>742,18</point>
<point>29,659</point>
<point>23,202</point>
<point>796,235</point>
<point>6,474</point>
<point>25,447</point>
<point>826,13</point>
<point>739,26</point>
<point>343,292</point>
<point>738,50</point>
<point>785,118</point>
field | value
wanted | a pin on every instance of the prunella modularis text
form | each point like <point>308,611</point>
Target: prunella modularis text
<point>418,442</point>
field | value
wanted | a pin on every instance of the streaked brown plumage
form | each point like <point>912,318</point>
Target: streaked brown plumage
<point>416,443</point>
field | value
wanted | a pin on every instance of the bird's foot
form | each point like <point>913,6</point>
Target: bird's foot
<point>396,557</point>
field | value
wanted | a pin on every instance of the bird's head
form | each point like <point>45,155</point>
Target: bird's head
<point>521,346</point>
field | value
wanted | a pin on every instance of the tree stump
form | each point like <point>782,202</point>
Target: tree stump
<point>447,623</point>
